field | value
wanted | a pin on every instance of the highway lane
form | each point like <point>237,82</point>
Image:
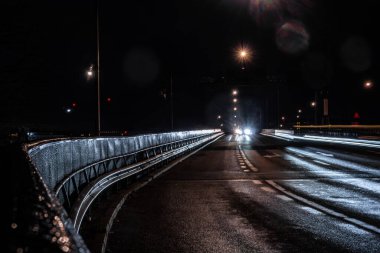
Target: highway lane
<point>257,194</point>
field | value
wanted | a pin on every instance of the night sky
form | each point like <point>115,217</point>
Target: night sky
<point>299,47</point>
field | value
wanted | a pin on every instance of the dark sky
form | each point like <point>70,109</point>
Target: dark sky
<point>301,46</point>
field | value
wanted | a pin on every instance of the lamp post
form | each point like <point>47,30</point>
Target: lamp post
<point>171,101</point>
<point>313,104</point>
<point>98,63</point>
<point>91,70</point>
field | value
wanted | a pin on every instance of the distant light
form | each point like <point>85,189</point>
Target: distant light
<point>68,110</point>
<point>313,104</point>
<point>235,100</point>
<point>234,116</point>
<point>281,125</point>
<point>235,108</point>
<point>219,117</point>
<point>238,131</point>
<point>221,125</point>
<point>234,92</point>
<point>74,104</point>
<point>299,111</point>
<point>108,99</point>
<point>90,72</point>
<point>243,54</point>
<point>247,131</point>
<point>298,116</point>
<point>368,84</point>
<point>283,117</point>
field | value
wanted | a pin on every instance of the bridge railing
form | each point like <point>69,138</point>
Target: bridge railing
<point>62,169</point>
<point>346,131</point>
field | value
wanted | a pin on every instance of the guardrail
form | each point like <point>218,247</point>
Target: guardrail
<point>68,174</point>
<point>365,136</point>
<point>348,131</point>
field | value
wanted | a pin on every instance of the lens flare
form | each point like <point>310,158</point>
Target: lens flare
<point>292,37</point>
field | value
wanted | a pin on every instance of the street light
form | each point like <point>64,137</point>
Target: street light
<point>368,85</point>
<point>234,92</point>
<point>219,117</point>
<point>235,100</point>
<point>299,111</point>
<point>313,104</point>
<point>243,55</point>
<point>235,109</point>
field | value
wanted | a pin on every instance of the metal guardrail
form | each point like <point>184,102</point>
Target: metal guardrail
<point>106,165</point>
<point>151,158</point>
<point>76,171</point>
<point>349,131</point>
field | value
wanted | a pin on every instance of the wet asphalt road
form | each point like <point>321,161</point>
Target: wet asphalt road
<point>284,199</point>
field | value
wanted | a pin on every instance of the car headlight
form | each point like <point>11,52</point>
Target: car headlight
<point>247,131</point>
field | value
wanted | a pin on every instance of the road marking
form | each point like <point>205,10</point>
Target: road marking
<point>249,164</point>
<point>311,210</point>
<point>246,170</point>
<point>243,167</point>
<point>283,197</point>
<point>267,189</point>
<point>323,163</point>
<point>326,210</point>
<point>325,154</point>
<point>271,155</point>
<point>257,182</point>
<point>300,155</point>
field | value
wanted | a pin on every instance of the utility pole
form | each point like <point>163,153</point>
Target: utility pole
<point>171,101</point>
<point>98,62</point>
<point>316,107</point>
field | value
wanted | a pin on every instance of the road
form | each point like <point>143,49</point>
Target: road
<point>257,194</point>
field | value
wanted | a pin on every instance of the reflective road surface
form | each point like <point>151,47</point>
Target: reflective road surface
<point>256,194</point>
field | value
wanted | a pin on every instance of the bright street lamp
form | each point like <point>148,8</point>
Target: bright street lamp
<point>299,111</point>
<point>243,55</point>
<point>235,100</point>
<point>368,85</point>
<point>234,92</point>
<point>219,117</point>
<point>313,104</point>
<point>235,108</point>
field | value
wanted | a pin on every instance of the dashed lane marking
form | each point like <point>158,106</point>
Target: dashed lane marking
<point>325,154</point>
<point>257,182</point>
<point>323,163</point>
<point>311,210</point>
<point>249,164</point>
<point>243,167</point>
<point>326,210</point>
<point>283,197</point>
<point>246,170</point>
<point>267,189</point>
